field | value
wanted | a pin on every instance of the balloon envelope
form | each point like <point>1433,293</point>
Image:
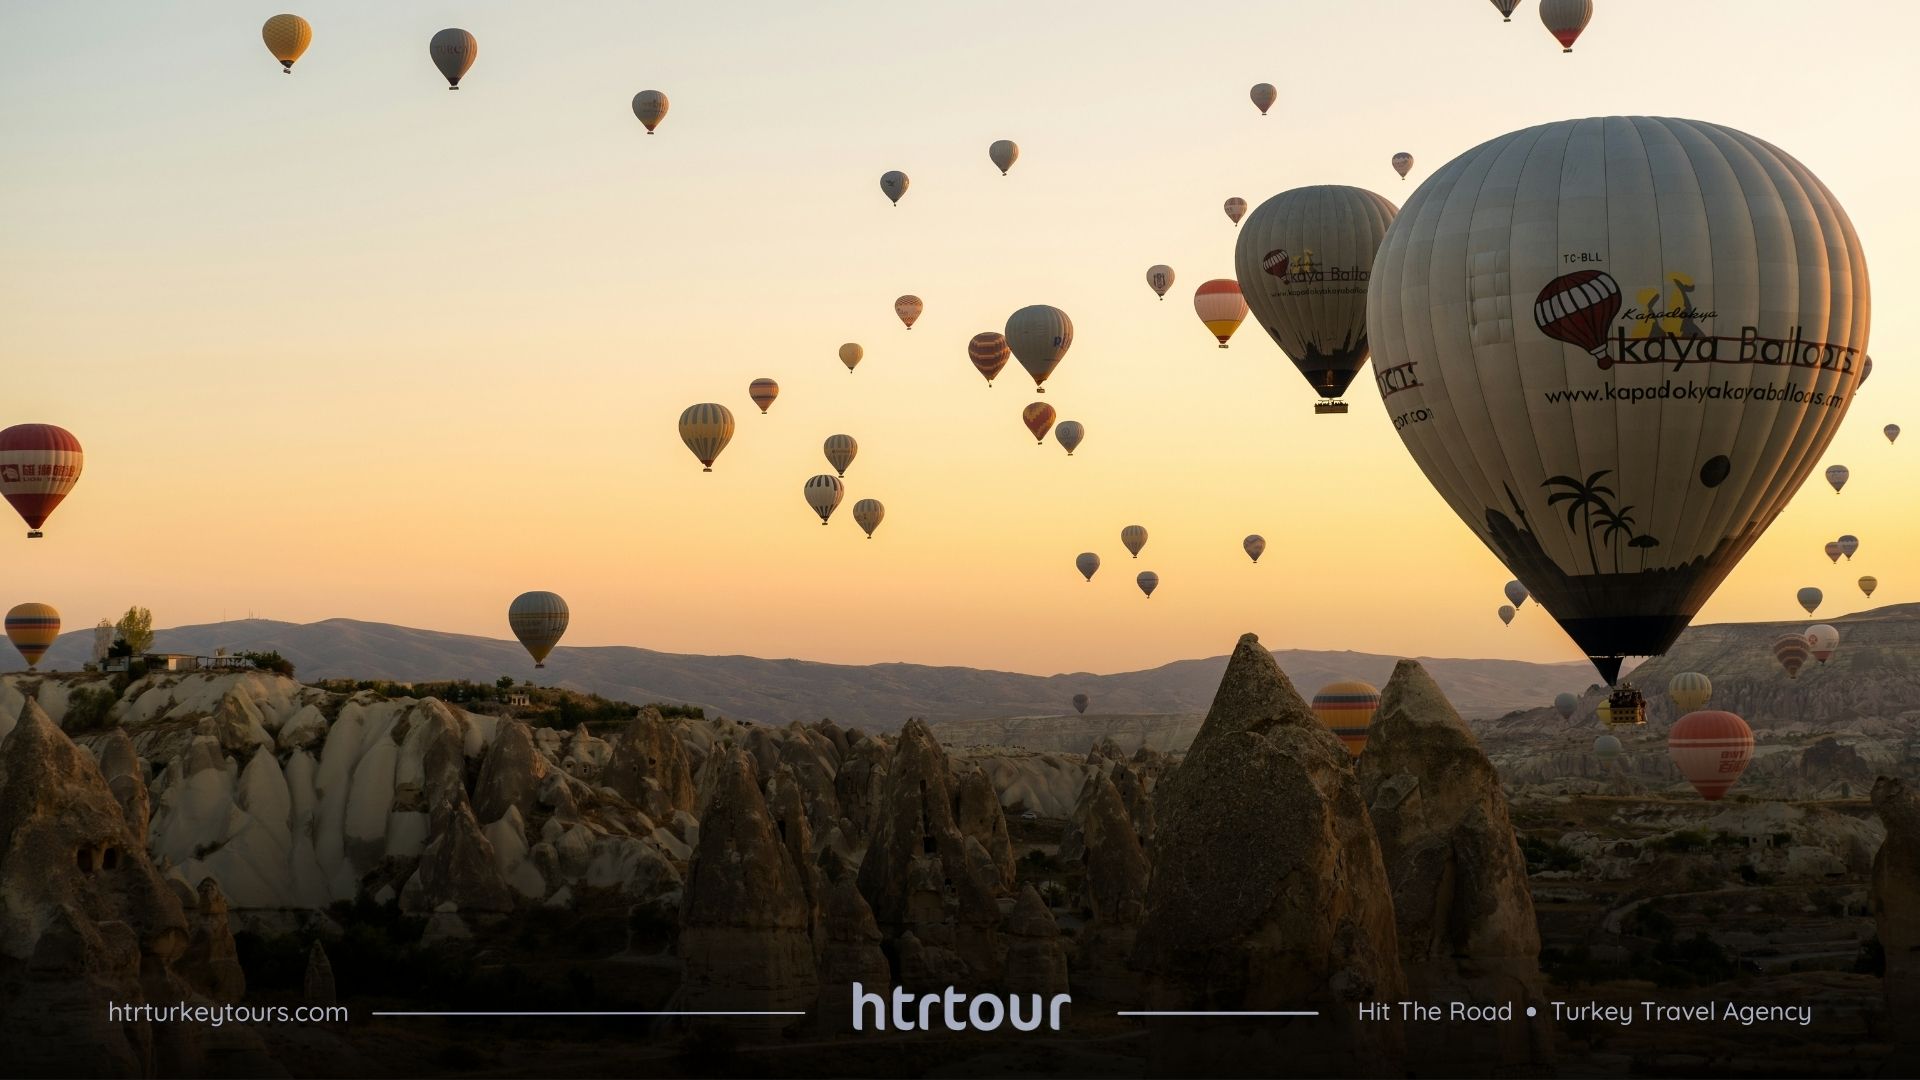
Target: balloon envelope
<point>1837,476</point>
<point>1833,550</point>
<point>1079,703</point>
<point>1891,431</point>
<point>840,451</point>
<point>39,465</point>
<point>851,354</point>
<point>823,494</point>
<point>1133,538</point>
<point>1160,279</point>
<point>1849,544</point>
<point>1086,562</point>
<point>1531,398</point>
<point>538,619</point>
<point>1689,690</point>
<point>650,107</point>
<point>32,628</point>
<point>763,391</point>
<point>1236,209</point>
<point>1792,651</point>
<point>1809,598</point>
<point>908,308</point>
<point>706,429</point>
<point>1263,95</point>
<point>1564,704</point>
<point>1516,593</point>
<point>1506,614</point>
<point>453,52</point>
<point>1221,307</point>
<point>1070,433</point>
<point>1565,19</point>
<point>1868,584</point>
<point>1712,749</point>
<point>287,38</point>
<point>1003,153</point>
<point>1303,262</point>
<point>1606,748</point>
<point>1346,708</point>
<point>1506,8</point>
<point>1039,419</point>
<point>989,353</point>
<point>894,184</point>
<point>1148,581</point>
<point>1822,640</point>
<point>1403,163</point>
<point>868,513</point>
<point>1039,336</point>
<point>1255,546</point>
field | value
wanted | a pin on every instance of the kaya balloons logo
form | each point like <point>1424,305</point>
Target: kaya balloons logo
<point>1305,269</point>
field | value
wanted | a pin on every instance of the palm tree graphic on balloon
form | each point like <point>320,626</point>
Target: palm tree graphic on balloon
<point>1589,511</point>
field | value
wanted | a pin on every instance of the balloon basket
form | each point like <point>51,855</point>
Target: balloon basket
<point>34,534</point>
<point>1326,408</point>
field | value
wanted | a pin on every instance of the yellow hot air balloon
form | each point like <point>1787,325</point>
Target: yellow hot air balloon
<point>650,107</point>
<point>706,429</point>
<point>840,451</point>
<point>850,355</point>
<point>1347,708</point>
<point>287,37</point>
<point>1868,584</point>
<point>1690,691</point>
<point>868,513</point>
<point>538,619</point>
<point>1220,305</point>
<point>1133,538</point>
<point>32,628</point>
<point>909,308</point>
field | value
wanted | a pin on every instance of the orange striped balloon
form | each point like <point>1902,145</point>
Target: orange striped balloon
<point>1792,651</point>
<point>763,391</point>
<point>989,353</point>
<point>1039,419</point>
<point>1347,709</point>
<point>32,628</point>
<point>909,308</point>
<point>1712,749</point>
<point>1220,305</point>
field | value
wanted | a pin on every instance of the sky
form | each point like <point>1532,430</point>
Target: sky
<point>345,344</point>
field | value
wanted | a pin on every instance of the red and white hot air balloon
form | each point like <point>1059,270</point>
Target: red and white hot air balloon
<point>1578,308</point>
<point>39,464</point>
<point>1220,305</point>
<point>1712,749</point>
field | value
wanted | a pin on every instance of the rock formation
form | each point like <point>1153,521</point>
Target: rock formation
<point>511,774</point>
<point>1268,892</point>
<point>316,985</point>
<point>1462,907</point>
<point>1115,890</point>
<point>458,871</point>
<point>977,814</point>
<point>650,768</point>
<point>849,948</point>
<point>1036,960</point>
<point>211,962</point>
<point>1896,913</point>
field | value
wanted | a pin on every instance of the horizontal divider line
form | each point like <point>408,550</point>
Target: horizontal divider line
<point>1223,1012</point>
<point>666,1013</point>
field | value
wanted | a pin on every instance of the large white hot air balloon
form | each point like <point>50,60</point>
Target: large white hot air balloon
<point>1619,465</point>
<point>1039,337</point>
<point>1303,261</point>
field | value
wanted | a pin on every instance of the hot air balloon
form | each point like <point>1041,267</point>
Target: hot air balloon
<point>1837,476</point>
<point>1891,431</point>
<point>1868,584</point>
<point>32,628</point>
<point>1809,598</point>
<point>1039,418</point>
<point>1822,640</point>
<point>1623,707</point>
<point>650,107</point>
<point>1346,708</point>
<point>1080,703</point>
<point>1160,279</point>
<point>1792,652</point>
<point>1263,95</point>
<point>287,37</point>
<point>1606,748</point>
<point>908,308</point>
<point>850,355</point>
<point>1689,690</point>
<point>538,619</point>
<point>868,513</point>
<point>1303,262</point>
<point>1565,704</point>
<point>1711,748</point>
<point>989,354</point>
<point>1236,208</point>
<point>840,451</point>
<point>763,391</point>
<point>1039,337</point>
<point>894,183</point>
<point>39,465</point>
<point>1220,306</point>
<point>1565,19</point>
<point>1403,163</point>
<point>1848,545</point>
<point>453,52</point>
<point>1516,594</point>
<point>1506,8</point>
<point>706,429</point>
<point>1148,581</point>
<point>1255,546</point>
<point>1539,432</point>
<point>1003,153</point>
<point>1833,550</point>
<point>1086,562</point>
<point>1133,538</point>
<point>1506,614</point>
<point>1070,432</point>
<point>823,493</point>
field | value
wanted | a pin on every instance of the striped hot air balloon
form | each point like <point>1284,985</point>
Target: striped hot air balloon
<point>706,428</point>
<point>909,307</point>
<point>763,391</point>
<point>1689,690</point>
<point>1833,550</point>
<point>1070,433</point>
<point>1712,749</point>
<point>1606,748</point>
<point>1565,19</point>
<point>1792,651</point>
<point>287,38</point>
<point>823,494</point>
<point>1579,308</point>
<point>1236,208</point>
<point>1822,640</point>
<point>1133,538</point>
<point>1039,336</point>
<point>868,514</point>
<point>1255,546</point>
<point>1148,581</point>
<point>1837,476</point>
<point>39,465</point>
<point>1809,598</point>
<point>1868,584</point>
<point>453,51</point>
<point>1506,614</point>
<point>1086,562</point>
<point>851,354</point>
<point>840,451</point>
<point>1516,594</point>
<point>1220,306</point>
<point>650,107</point>
<point>32,628</point>
<point>1403,163</point>
<point>989,354</point>
<point>1347,708</point>
<point>1039,419</point>
<point>1506,8</point>
<point>1160,279</point>
<point>538,619</point>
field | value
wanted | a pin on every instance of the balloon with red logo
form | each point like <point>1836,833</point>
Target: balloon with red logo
<point>1579,308</point>
<point>39,464</point>
<point>1712,749</point>
<point>1822,640</point>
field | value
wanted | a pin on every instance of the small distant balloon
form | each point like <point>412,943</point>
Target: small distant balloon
<point>1606,748</point>
<point>650,107</point>
<point>1833,550</point>
<point>1160,279</point>
<point>1506,614</point>
<point>538,619</point>
<point>868,513</point>
<point>1255,546</point>
<point>840,451</point>
<point>1822,640</point>
<point>1848,545</point>
<point>850,355</point>
<point>1039,419</point>
<point>1891,431</point>
<point>1565,19</point>
<point>1868,584</point>
<point>453,52</point>
<point>1403,163</point>
<point>1148,581</point>
<point>1133,538</point>
<point>1506,8</point>
<point>1080,703</point>
<point>287,38</point>
<point>1069,433</point>
<point>1346,708</point>
<point>1236,208</point>
<point>763,391</point>
<point>823,494</point>
<point>706,429</point>
<point>1809,598</point>
<point>989,354</point>
<point>1516,594</point>
<point>1837,476</point>
<point>1711,748</point>
<point>1689,690</point>
<point>1039,336</point>
<point>1564,704</point>
<point>1086,562</point>
<point>1792,652</point>
<point>1003,153</point>
<point>1221,307</point>
<point>894,184</point>
<point>33,628</point>
<point>909,308</point>
<point>1263,95</point>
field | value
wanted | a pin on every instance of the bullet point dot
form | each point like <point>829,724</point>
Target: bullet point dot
<point>1531,1011</point>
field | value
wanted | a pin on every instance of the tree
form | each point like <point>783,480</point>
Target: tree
<point>504,682</point>
<point>136,629</point>
<point>102,640</point>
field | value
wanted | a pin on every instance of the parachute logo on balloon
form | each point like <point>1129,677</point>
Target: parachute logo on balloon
<point>1578,309</point>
